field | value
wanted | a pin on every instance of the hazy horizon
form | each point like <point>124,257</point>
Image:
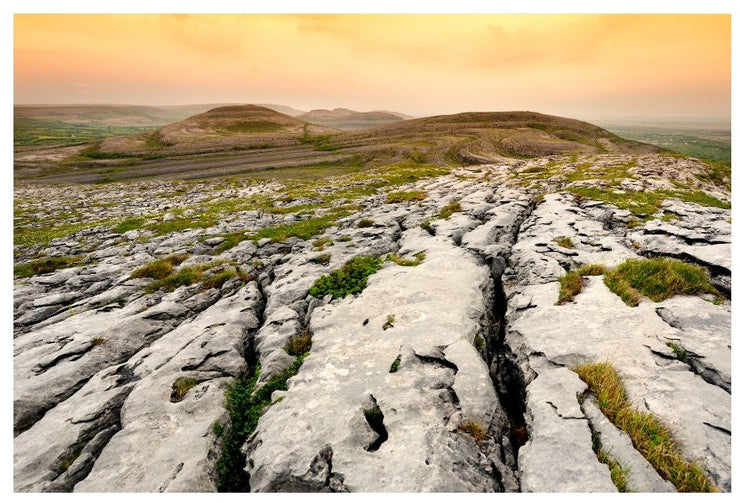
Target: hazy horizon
<point>581,66</point>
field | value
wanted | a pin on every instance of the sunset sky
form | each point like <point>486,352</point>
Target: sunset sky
<point>580,66</point>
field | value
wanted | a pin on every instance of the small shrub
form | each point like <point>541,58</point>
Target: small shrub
<point>649,435</point>
<point>657,279</point>
<point>395,365</point>
<point>397,259</point>
<point>389,322</point>
<point>350,279</point>
<point>413,195</point>
<point>475,430</point>
<point>564,242</point>
<point>298,344</point>
<point>449,209</point>
<point>679,350</point>
<point>181,386</point>
<point>365,222</point>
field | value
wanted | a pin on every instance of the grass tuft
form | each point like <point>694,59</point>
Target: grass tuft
<point>397,259</point>
<point>475,430</point>
<point>412,195</point>
<point>44,266</point>
<point>160,268</point>
<point>365,222</point>
<point>649,435</point>
<point>448,210</point>
<point>298,344</point>
<point>564,242</point>
<point>181,386</point>
<point>657,279</point>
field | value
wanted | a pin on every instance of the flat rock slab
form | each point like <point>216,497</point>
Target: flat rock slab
<point>348,371</point>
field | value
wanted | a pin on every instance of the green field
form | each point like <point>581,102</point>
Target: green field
<point>41,132</point>
<point>706,139</point>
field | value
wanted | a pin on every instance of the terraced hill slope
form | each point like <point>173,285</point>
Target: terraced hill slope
<point>409,327</point>
<point>247,138</point>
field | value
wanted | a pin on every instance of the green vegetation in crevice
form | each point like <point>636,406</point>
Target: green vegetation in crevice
<point>679,351</point>
<point>321,243</point>
<point>365,222</point>
<point>160,268</point>
<point>302,229</point>
<point>181,386</point>
<point>389,321</point>
<point>245,405</point>
<point>350,279</point>
<point>323,259</point>
<point>210,275</point>
<point>45,265</point>
<point>449,209</point>
<point>619,475</point>
<point>397,259</point>
<point>652,439</point>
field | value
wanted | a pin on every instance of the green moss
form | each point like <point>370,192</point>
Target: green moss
<point>350,279</point>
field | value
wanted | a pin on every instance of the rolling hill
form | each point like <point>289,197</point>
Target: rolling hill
<point>343,118</point>
<point>233,140</point>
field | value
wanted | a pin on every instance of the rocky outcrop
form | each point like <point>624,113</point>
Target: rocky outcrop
<point>453,374</point>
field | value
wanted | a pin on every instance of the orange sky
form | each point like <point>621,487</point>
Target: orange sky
<point>574,65</point>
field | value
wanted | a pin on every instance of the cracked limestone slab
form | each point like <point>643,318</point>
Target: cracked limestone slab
<point>350,361</point>
<point>558,456</point>
<point>597,327</point>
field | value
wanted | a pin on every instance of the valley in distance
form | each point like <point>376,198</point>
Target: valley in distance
<point>255,298</point>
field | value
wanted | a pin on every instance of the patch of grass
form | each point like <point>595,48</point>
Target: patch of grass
<point>397,259</point>
<point>217,280</point>
<point>181,386</point>
<point>564,242</point>
<point>185,276</point>
<point>572,283</point>
<point>640,203</point>
<point>697,197</point>
<point>230,240</point>
<point>649,435</point>
<point>350,279</point>
<point>633,222</point>
<point>449,209</point>
<point>412,195</point>
<point>44,266</point>
<point>395,365</point>
<point>160,268</point>
<point>389,322</point>
<point>98,340</point>
<point>130,224</point>
<point>345,239</point>
<point>320,243</point>
<point>302,229</point>
<point>475,430</point>
<point>245,405</point>
<point>322,259</point>
<point>657,279</point>
<point>365,222</point>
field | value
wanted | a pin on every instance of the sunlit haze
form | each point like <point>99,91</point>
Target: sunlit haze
<point>573,65</point>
